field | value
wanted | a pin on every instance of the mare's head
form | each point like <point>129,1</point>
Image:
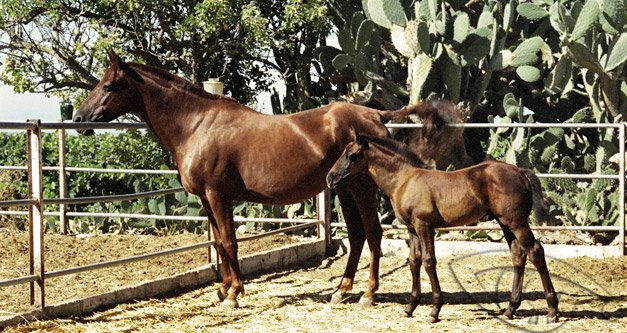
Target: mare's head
<point>351,162</point>
<point>115,95</point>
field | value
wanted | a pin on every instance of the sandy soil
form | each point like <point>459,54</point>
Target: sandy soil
<point>592,293</point>
<point>70,251</point>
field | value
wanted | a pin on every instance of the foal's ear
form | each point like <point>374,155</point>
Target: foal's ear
<point>114,58</point>
<point>362,140</point>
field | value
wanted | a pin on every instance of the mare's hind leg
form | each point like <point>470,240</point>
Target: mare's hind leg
<point>356,238</point>
<point>535,252</point>
<point>415,259</point>
<point>519,258</point>
<point>427,237</point>
<point>226,270</point>
<point>364,191</point>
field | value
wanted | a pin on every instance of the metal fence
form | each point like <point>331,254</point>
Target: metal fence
<point>36,202</point>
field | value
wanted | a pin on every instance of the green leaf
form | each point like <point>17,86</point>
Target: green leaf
<point>526,52</point>
<point>618,54</point>
<point>424,40</point>
<point>485,19</point>
<point>366,28</point>
<point>589,14</point>
<point>341,61</point>
<point>356,21</point>
<point>584,58</point>
<point>476,46</point>
<point>377,14</point>
<point>510,105</point>
<point>395,12</point>
<point>346,42</point>
<point>531,11</point>
<point>461,26</point>
<point>614,14</point>
<point>528,73</point>
<point>397,34</point>
<point>561,74</point>
<point>451,77</point>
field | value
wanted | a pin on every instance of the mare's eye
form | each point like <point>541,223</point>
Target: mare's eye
<point>112,86</point>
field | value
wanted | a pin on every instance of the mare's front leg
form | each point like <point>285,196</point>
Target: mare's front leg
<point>364,191</point>
<point>427,237</point>
<point>223,213</point>
<point>217,242</point>
<point>356,238</point>
<point>415,259</point>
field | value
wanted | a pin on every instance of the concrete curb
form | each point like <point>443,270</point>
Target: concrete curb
<point>200,276</point>
<point>390,247</point>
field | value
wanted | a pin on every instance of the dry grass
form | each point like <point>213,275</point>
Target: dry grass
<point>592,297</point>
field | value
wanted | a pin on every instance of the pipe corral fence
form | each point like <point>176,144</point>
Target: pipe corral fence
<point>36,200</point>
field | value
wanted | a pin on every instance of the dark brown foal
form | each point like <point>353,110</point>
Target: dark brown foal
<point>428,199</point>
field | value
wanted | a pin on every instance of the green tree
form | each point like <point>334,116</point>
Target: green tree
<point>60,46</point>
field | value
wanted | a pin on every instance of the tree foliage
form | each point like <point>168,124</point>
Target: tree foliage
<point>60,46</point>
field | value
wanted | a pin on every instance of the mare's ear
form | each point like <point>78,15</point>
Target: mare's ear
<point>117,63</point>
<point>362,140</point>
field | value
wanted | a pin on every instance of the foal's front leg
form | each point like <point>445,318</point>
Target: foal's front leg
<point>427,235</point>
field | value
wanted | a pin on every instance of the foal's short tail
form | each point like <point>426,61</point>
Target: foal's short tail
<point>540,209</point>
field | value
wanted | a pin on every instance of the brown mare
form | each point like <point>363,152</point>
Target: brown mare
<point>226,151</point>
<point>428,199</point>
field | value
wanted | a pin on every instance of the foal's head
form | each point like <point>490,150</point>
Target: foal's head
<point>113,96</point>
<point>351,162</point>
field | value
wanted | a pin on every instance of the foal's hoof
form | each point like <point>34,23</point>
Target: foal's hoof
<point>433,320</point>
<point>230,303</point>
<point>337,298</point>
<point>408,313</point>
<point>366,302</point>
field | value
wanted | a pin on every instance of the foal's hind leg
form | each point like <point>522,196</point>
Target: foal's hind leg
<point>427,235</point>
<point>364,191</point>
<point>415,258</point>
<point>519,258</point>
<point>535,252</point>
<point>356,238</point>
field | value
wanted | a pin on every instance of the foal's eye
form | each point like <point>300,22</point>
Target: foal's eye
<point>353,157</point>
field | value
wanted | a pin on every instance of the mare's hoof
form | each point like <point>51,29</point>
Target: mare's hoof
<point>407,313</point>
<point>433,320</point>
<point>366,302</point>
<point>336,298</point>
<point>230,303</point>
<point>221,295</point>
<point>551,319</point>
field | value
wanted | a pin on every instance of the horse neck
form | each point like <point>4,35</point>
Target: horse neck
<point>387,170</point>
<point>172,113</point>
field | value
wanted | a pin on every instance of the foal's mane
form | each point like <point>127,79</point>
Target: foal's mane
<point>397,148</point>
<point>168,78</point>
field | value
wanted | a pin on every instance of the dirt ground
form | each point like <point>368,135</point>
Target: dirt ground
<point>69,251</point>
<point>592,293</point>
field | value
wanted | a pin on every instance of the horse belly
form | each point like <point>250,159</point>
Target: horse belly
<point>461,209</point>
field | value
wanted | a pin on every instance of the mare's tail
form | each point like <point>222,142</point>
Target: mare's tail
<point>540,209</point>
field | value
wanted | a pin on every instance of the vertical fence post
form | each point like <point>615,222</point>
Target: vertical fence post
<point>621,188</point>
<point>36,213</point>
<point>324,214</point>
<point>212,253</point>
<point>62,182</point>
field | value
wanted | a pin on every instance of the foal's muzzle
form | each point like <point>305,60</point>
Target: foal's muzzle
<point>334,180</point>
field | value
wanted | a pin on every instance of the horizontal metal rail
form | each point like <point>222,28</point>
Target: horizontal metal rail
<point>99,170</point>
<point>164,217</point>
<point>496,227</point>
<point>106,198</point>
<point>512,125</point>
<point>19,202</point>
<point>146,256</point>
<point>127,260</point>
<point>92,125</point>
<point>12,125</point>
<point>18,280</point>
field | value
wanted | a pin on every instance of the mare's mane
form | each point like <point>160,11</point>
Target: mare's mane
<point>398,149</point>
<point>165,78</point>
